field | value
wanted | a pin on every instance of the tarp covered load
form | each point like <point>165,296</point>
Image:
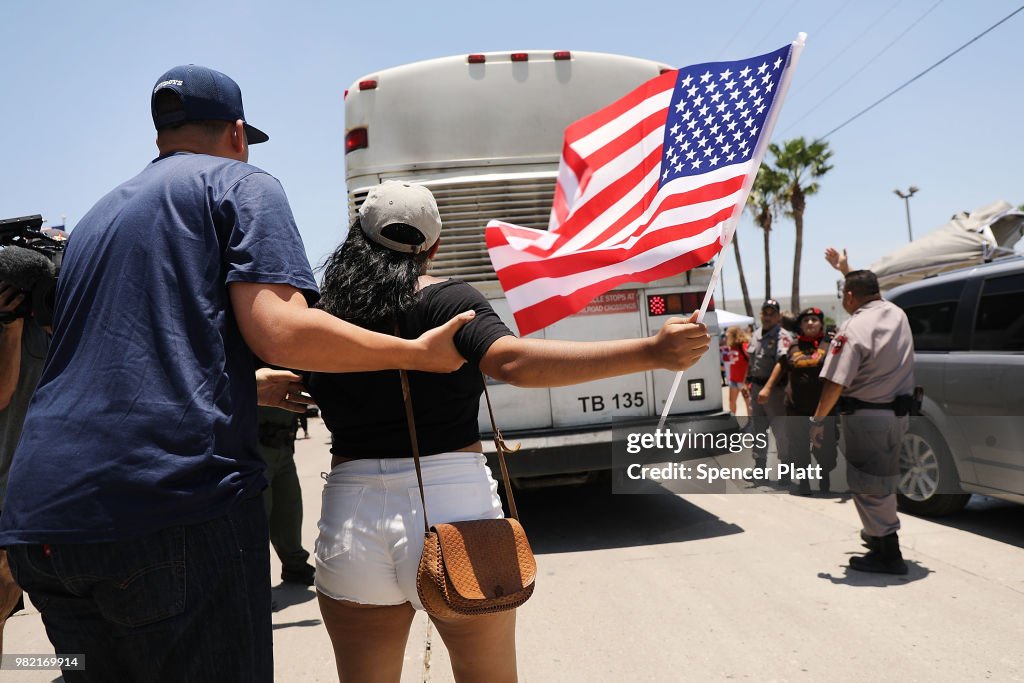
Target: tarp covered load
<point>985,234</point>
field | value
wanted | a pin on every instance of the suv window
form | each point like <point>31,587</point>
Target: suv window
<point>931,312</point>
<point>999,325</point>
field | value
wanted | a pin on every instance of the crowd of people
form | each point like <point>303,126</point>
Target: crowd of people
<point>143,533</point>
<point>777,371</point>
<point>792,368</point>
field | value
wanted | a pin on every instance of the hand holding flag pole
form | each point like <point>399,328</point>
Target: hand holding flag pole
<point>730,230</point>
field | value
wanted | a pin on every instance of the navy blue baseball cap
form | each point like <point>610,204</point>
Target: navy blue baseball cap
<point>206,95</point>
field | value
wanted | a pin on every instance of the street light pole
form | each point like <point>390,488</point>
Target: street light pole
<point>911,191</point>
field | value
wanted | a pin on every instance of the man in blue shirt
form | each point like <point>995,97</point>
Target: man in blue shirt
<point>134,519</point>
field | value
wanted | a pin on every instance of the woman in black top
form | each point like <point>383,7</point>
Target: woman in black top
<point>800,370</point>
<point>370,529</point>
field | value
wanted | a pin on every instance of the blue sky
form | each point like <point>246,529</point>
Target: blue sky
<point>76,78</point>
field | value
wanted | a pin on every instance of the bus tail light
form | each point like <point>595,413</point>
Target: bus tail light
<point>356,138</point>
<point>683,303</point>
<point>370,84</point>
<point>520,57</point>
<point>476,59</point>
<point>562,54</point>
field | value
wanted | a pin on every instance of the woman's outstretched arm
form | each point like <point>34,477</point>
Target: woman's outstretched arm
<point>550,363</point>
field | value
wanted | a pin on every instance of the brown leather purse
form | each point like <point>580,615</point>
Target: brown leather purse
<point>474,567</point>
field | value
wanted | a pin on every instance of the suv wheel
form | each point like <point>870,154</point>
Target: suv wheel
<point>926,468</point>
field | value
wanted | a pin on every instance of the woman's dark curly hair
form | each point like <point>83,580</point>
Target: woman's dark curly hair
<point>370,285</point>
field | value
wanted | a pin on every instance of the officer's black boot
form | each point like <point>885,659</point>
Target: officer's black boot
<point>825,485</point>
<point>885,559</point>
<point>869,542</point>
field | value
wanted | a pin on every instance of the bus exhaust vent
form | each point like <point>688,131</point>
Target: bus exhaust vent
<point>466,207</point>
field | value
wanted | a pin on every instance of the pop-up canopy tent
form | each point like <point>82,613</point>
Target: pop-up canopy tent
<point>726,319</point>
<point>984,234</point>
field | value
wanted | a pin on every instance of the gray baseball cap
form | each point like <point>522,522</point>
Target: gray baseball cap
<point>394,202</point>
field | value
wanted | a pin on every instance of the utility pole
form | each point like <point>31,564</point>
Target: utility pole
<point>911,191</point>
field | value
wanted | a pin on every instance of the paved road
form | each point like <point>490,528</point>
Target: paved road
<point>710,587</point>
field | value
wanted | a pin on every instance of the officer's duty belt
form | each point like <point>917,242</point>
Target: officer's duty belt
<point>848,405</point>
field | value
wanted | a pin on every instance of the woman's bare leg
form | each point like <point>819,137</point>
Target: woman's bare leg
<point>733,393</point>
<point>482,649</point>
<point>369,640</point>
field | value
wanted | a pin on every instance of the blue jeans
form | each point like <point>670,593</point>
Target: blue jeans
<point>185,603</point>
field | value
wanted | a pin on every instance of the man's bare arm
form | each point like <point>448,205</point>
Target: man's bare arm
<point>830,393</point>
<point>280,328</point>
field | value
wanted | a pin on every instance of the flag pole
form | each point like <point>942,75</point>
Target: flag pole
<point>730,226</point>
<point>730,230</point>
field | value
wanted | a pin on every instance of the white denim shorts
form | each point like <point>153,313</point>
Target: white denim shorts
<point>371,523</point>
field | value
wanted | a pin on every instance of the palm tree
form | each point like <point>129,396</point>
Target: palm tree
<point>765,202</point>
<point>800,163</point>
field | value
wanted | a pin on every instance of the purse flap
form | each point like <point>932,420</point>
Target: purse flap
<point>486,558</point>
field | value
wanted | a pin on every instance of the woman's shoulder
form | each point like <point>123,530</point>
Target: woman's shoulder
<point>450,288</point>
<point>438,302</point>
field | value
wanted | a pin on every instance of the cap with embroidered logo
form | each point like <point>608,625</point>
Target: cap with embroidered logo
<point>811,312</point>
<point>206,95</point>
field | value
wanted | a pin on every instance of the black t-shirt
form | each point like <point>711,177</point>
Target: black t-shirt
<point>802,363</point>
<point>365,411</point>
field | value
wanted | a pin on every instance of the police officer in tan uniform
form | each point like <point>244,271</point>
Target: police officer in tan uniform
<point>869,371</point>
<point>769,343</point>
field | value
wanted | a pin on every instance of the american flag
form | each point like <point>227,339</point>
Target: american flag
<point>647,187</point>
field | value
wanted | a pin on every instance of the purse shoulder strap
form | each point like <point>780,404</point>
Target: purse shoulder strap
<point>499,444</point>
<point>501,448</point>
<point>411,420</point>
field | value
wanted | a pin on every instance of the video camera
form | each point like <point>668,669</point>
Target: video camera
<point>30,258</point>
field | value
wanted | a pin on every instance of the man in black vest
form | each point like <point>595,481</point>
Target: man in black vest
<point>770,342</point>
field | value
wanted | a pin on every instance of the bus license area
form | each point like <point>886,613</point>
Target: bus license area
<point>623,401</point>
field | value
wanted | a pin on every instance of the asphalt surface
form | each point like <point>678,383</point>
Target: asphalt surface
<point>699,587</point>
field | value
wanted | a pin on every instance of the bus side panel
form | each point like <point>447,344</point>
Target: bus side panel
<point>614,315</point>
<point>707,370</point>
